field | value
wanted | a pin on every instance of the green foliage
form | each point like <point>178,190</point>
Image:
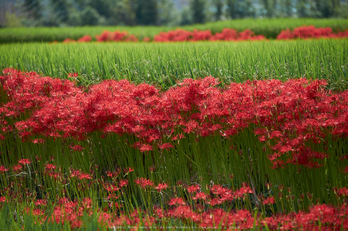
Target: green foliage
<point>240,8</point>
<point>103,7</point>
<point>61,10</point>
<point>288,7</point>
<point>12,20</point>
<point>186,17</point>
<point>33,9</point>
<point>268,27</point>
<point>197,8</point>
<point>219,9</point>
<point>167,14</point>
<point>147,12</point>
<point>164,64</point>
<point>124,12</point>
<point>90,17</point>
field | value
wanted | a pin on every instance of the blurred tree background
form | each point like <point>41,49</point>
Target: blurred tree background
<point>31,13</point>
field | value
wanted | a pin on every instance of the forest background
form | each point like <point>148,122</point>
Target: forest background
<point>64,13</point>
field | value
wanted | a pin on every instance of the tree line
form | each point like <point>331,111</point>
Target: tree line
<point>163,12</point>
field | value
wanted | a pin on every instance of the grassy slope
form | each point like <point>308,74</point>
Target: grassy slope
<point>164,64</point>
<point>268,27</point>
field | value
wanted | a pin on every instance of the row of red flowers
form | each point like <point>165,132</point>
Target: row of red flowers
<point>180,35</point>
<point>198,207</point>
<point>285,115</point>
<point>320,217</point>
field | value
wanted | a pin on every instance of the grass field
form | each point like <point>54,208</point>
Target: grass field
<point>164,64</point>
<point>268,27</point>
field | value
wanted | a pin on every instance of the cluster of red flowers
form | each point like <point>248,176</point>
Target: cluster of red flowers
<point>116,36</point>
<point>227,34</point>
<point>210,209</point>
<point>321,216</point>
<point>180,35</point>
<point>307,32</point>
<point>107,36</point>
<point>286,116</point>
<point>197,207</point>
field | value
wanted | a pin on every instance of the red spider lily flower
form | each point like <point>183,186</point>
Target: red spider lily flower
<point>219,190</point>
<point>85,176</point>
<point>159,212</point>
<point>343,192</point>
<point>242,191</point>
<point>268,185</point>
<point>215,201</point>
<point>193,188</point>
<point>123,183</point>
<point>113,196</point>
<point>38,141</point>
<point>146,39</point>
<point>108,173</point>
<point>180,183</point>
<point>345,170</point>
<point>142,182</point>
<point>110,188</point>
<point>145,148</point>
<point>2,199</point>
<point>130,169</point>
<point>152,169</point>
<point>17,167</point>
<point>269,200</point>
<point>114,174</point>
<point>166,146</point>
<point>3,169</point>
<point>73,75</point>
<point>40,202</point>
<point>75,173</point>
<point>24,161</point>
<point>161,187</point>
<point>176,201</point>
<point>200,195</point>
<point>50,167</point>
<point>36,212</point>
<point>69,40</point>
<point>77,147</point>
<point>87,202</point>
<point>86,38</point>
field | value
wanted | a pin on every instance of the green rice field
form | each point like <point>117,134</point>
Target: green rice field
<point>164,64</point>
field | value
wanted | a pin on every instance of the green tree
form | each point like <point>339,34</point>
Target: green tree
<point>240,8</point>
<point>186,16</point>
<point>81,4</point>
<point>327,8</point>
<point>90,17</point>
<point>167,14</point>
<point>197,8</point>
<point>218,7</point>
<point>103,7</point>
<point>336,5</point>
<point>232,8</point>
<point>33,9</point>
<point>287,8</point>
<point>124,12</point>
<point>270,7</point>
<point>247,9</point>
<point>60,9</point>
<point>147,13</point>
<point>303,9</point>
<point>11,20</point>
